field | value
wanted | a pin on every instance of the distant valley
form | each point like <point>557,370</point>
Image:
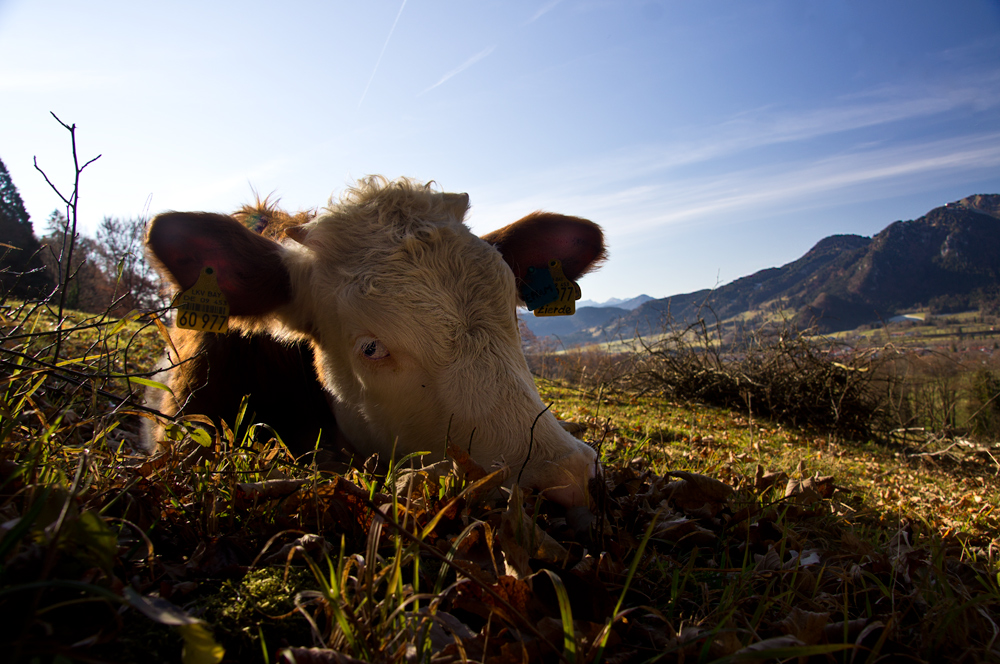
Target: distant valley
<point>947,260</point>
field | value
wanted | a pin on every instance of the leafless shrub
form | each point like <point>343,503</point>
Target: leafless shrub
<point>120,253</point>
<point>774,371</point>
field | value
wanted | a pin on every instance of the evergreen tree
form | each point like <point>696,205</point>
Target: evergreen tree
<point>22,273</point>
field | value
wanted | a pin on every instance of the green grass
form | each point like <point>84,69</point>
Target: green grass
<point>949,497</point>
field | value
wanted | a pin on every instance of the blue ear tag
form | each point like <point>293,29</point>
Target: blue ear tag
<point>539,288</point>
<point>256,221</point>
<point>567,293</point>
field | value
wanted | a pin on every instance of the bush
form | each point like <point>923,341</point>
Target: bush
<point>780,373</point>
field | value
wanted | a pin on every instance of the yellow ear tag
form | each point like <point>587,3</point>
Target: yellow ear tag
<point>203,306</point>
<point>569,293</point>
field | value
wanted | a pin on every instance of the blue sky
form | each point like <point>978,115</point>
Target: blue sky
<point>711,139</point>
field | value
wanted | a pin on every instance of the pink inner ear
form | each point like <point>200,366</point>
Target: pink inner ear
<point>542,236</point>
<point>248,267</point>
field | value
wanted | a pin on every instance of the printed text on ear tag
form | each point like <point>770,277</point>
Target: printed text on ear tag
<point>203,306</point>
<point>567,293</point>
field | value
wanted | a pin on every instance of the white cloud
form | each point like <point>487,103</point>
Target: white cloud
<point>853,177</point>
<point>768,126</point>
<point>636,206</point>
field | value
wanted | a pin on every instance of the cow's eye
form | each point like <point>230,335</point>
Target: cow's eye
<point>374,349</point>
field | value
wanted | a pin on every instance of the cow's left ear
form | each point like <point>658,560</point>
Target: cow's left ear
<point>248,267</point>
<point>543,236</point>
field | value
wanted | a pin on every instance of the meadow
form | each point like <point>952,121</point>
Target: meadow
<point>719,533</point>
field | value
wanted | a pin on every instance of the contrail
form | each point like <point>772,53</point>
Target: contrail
<point>391,30</point>
<point>545,9</point>
<point>465,65</point>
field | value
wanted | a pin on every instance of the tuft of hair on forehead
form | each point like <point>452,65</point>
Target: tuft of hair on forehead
<point>396,236</point>
<point>403,200</point>
<point>264,217</point>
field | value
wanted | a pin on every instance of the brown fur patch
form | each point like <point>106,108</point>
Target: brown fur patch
<point>219,370</point>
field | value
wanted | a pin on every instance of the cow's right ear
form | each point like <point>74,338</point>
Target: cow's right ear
<point>540,237</point>
<point>248,267</point>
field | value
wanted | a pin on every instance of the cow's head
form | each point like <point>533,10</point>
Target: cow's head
<point>411,316</point>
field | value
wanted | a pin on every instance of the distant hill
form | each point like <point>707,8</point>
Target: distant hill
<point>618,303</point>
<point>947,260</point>
<point>584,318</point>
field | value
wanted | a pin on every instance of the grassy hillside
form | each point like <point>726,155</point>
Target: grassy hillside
<point>715,536</point>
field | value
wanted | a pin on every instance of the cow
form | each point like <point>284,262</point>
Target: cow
<point>407,317</point>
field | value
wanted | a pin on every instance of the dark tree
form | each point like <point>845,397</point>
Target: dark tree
<point>22,272</point>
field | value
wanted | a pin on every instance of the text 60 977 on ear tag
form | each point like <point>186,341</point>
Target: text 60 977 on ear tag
<point>203,307</point>
<point>568,292</point>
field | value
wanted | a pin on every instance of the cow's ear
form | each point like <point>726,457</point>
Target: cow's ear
<point>248,266</point>
<point>457,204</point>
<point>542,236</point>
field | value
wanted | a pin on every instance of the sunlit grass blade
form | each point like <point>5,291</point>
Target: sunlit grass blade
<point>566,615</point>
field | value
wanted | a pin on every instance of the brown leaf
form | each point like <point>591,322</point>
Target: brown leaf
<point>768,562</point>
<point>522,539</point>
<point>473,471</point>
<point>471,597</point>
<point>764,481</point>
<point>674,527</point>
<point>763,648</point>
<point>268,489</point>
<point>810,490</point>
<point>824,486</point>
<point>484,486</point>
<point>697,493</point>
<point>801,494</point>
<point>806,626</point>
<point>726,641</point>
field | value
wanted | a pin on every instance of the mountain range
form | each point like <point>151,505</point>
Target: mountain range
<point>947,260</point>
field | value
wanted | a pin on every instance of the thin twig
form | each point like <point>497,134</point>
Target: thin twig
<point>69,229</point>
